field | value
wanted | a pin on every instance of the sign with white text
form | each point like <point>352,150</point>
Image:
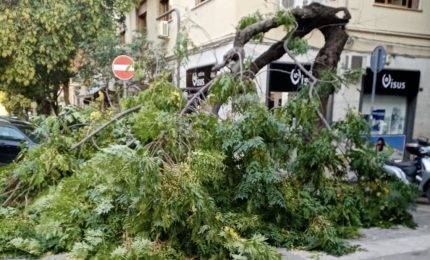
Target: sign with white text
<point>393,82</point>
<point>199,76</point>
<point>286,77</point>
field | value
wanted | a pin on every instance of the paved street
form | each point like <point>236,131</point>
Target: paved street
<point>398,244</point>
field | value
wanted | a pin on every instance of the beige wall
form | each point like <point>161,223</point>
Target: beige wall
<point>152,25</point>
<point>368,16</point>
<point>211,21</point>
<point>403,32</point>
<point>205,22</point>
<point>370,25</point>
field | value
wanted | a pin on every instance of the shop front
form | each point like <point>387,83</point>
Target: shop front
<point>196,78</point>
<point>283,82</point>
<point>394,104</point>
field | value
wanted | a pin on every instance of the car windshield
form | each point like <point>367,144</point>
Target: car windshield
<point>28,131</point>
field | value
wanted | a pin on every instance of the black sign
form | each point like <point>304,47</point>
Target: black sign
<point>198,77</point>
<point>286,77</point>
<point>393,82</point>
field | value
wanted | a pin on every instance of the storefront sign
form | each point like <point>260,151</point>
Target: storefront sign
<point>286,77</point>
<point>393,82</point>
<point>199,77</point>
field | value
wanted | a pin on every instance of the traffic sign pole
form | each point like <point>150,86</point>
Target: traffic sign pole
<point>124,85</point>
<point>377,62</point>
<point>372,97</point>
<point>122,68</point>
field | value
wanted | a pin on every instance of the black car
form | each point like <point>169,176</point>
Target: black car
<point>13,134</point>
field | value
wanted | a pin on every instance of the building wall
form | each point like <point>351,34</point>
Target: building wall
<point>402,31</point>
<point>367,15</point>
<point>404,34</point>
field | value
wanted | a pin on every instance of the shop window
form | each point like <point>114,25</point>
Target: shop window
<point>164,7</point>
<point>389,113</point>
<point>406,4</point>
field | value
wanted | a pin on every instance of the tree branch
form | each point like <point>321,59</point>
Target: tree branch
<point>116,117</point>
<point>308,18</point>
<point>195,96</point>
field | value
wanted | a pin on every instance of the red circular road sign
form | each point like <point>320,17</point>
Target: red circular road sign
<point>122,67</point>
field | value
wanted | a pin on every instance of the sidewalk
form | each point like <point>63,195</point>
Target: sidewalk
<point>399,243</point>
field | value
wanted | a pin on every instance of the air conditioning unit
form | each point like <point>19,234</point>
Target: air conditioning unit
<point>288,4</point>
<point>163,29</point>
<point>355,62</point>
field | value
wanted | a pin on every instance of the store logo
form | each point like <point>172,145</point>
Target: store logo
<point>388,82</point>
<point>198,79</point>
<point>297,77</point>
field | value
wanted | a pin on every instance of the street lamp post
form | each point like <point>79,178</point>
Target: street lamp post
<point>178,17</point>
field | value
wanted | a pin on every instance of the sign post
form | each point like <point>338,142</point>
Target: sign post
<point>122,68</point>
<point>377,62</point>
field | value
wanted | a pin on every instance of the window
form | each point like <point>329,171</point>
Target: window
<point>199,1</point>
<point>356,62</point>
<point>141,17</point>
<point>122,37</point>
<point>164,7</point>
<point>407,4</point>
<point>141,23</point>
<point>287,4</point>
<point>8,133</point>
<point>29,132</point>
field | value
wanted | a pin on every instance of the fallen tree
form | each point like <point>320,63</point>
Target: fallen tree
<point>161,183</point>
<point>193,186</point>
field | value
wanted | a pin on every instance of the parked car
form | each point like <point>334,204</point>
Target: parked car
<point>14,133</point>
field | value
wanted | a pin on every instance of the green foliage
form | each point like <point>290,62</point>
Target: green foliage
<point>285,19</point>
<point>227,87</point>
<point>250,20</point>
<point>183,46</point>
<point>15,104</point>
<point>97,56</point>
<point>156,185</point>
<point>298,45</point>
<point>40,39</point>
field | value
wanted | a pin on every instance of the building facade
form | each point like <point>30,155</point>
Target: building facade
<point>402,92</point>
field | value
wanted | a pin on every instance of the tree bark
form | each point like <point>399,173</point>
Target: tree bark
<point>66,94</point>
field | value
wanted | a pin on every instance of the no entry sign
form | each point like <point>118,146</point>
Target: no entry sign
<point>122,67</point>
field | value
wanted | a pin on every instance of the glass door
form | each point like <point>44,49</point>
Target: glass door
<point>389,113</point>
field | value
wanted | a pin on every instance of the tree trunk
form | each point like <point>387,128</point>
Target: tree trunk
<point>330,21</point>
<point>66,93</point>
